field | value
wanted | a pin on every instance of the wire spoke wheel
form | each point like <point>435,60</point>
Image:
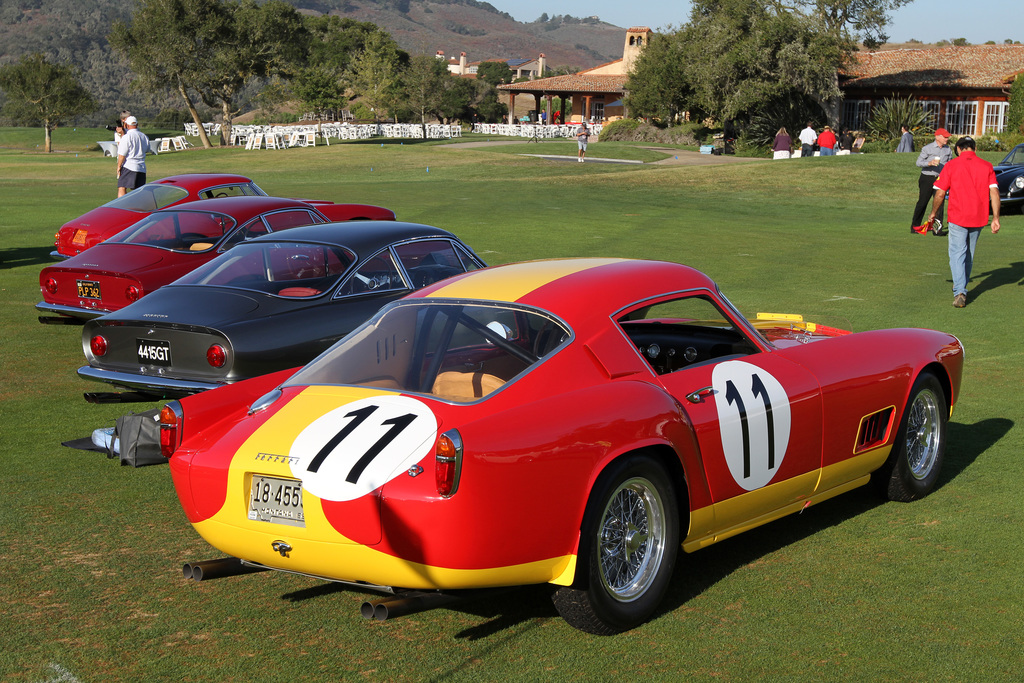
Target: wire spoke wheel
<point>631,539</point>
<point>923,434</point>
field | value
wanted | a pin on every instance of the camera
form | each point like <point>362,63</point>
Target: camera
<point>114,127</point>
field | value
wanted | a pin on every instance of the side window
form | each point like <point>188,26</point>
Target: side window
<point>377,274</point>
<point>222,191</point>
<point>676,334</point>
<point>253,228</point>
<point>467,261</point>
<point>282,220</point>
<point>428,261</point>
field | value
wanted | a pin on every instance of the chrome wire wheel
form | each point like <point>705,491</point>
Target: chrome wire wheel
<point>631,539</point>
<point>924,433</point>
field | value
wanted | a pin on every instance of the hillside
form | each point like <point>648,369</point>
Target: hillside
<point>74,31</point>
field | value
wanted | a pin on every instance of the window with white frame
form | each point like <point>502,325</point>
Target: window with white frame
<point>961,117</point>
<point>856,114</point>
<point>931,112</point>
<point>995,115</point>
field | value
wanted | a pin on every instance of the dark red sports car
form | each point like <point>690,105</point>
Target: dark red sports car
<point>169,243</point>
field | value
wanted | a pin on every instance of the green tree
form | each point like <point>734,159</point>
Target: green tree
<point>422,86</point>
<point>39,92</point>
<point>494,73</point>
<point>863,20</point>
<point>170,43</point>
<point>376,74</point>
<point>1015,111</point>
<point>259,41</point>
<point>657,85</point>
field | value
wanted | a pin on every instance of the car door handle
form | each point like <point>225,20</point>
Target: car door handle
<point>698,396</point>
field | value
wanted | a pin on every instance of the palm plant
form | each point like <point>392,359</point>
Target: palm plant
<point>887,118</point>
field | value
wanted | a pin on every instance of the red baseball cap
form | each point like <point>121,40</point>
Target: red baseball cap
<point>943,132</point>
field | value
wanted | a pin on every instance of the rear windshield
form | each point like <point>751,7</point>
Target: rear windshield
<point>178,230</point>
<point>289,269</point>
<point>456,351</point>
<point>149,198</point>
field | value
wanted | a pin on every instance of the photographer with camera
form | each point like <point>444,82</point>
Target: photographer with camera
<point>118,128</point>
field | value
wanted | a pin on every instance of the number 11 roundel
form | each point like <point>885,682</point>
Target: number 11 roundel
<point>754,418</point>
<point>357,448</point>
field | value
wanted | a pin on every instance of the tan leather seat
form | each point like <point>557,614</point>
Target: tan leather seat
<point>465,386</point>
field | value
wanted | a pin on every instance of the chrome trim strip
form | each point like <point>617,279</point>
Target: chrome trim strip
<point>144,382</point>
<point>387,590</point>
<point>73,311</point>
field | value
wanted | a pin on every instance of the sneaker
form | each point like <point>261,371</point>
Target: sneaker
<point>959,301</point>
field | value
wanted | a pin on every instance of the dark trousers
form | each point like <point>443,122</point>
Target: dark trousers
<point>924,198</point>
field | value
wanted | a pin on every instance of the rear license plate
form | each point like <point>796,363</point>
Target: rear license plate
<point>153,352</point>
<point>276,500</point>
<point>79,239</point>
<point>87,289</point>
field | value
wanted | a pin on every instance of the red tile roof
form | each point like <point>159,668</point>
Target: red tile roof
<point>971,66</point>
<point>571,83</point>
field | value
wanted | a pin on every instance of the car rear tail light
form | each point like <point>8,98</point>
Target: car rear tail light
<point>448,463</point>
<point>132,293</point>
<point>216,356</point>
<point>50,286</point>
<point>98,346</point>
<point>170,428</point>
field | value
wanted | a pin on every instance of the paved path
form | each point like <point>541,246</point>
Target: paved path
<point>678,157</point>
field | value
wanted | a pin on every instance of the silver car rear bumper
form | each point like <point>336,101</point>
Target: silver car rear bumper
<point>145,383</point>
<point>73,311</point>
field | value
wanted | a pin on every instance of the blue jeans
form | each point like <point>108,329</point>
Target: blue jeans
<point>962,242</point>
<point>827,151</point>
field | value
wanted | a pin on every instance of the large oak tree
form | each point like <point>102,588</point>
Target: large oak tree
<point>39,92</point>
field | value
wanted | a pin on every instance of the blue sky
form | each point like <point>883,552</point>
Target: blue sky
<point>926,20</point>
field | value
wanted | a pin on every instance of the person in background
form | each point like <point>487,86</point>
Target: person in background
<point>581,142</point>
<point>807,139</point>
<point>783,144</point>
<point>846,142</point>
<point>933,157</point>
<point>827,142</point>
<point>906,140</point>
<point>131,158</point>
<point>972,187</point>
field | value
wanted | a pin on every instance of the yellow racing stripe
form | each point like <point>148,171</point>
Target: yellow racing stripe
<point>511,284</point>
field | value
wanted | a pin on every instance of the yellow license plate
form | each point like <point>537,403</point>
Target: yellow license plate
<point>87,289</point>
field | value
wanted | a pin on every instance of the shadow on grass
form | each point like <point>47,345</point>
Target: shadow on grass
<point>507,613</point>
<point>1000,277</point>
<point>25,256</point>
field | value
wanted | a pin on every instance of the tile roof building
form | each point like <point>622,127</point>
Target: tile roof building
<point>964,89</point>
<point>596,93</point>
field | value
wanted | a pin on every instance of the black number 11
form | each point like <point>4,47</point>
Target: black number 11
<point>757,388</point>
<point>397,424</point>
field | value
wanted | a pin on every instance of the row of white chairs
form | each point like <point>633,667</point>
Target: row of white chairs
<point>193,130</point>
<point>280,137</point>
<point>568,130</point>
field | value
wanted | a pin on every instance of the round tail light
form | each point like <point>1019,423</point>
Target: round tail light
<point>216,356</point>
<point>50,286</point>
<point>98,346</point>
<point>132,294</point>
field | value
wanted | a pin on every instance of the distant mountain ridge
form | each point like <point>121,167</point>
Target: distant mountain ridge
<point>75,32</point>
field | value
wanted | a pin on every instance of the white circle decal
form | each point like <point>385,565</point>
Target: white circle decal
<point>359,447</point>
<point>754,418</point>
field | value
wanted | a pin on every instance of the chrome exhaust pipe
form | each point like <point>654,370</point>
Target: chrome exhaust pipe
<point>215,569</point>
<point>409,602</point>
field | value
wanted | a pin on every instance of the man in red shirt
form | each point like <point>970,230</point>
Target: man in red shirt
<point>972,187</point>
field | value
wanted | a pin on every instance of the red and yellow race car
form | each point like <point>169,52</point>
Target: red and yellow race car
<point>572,422</point>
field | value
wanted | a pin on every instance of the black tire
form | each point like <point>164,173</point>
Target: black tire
<point>913,467</point>
<point>628,546</point>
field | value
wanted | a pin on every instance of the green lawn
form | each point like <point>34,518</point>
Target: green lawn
<point>850,589</point>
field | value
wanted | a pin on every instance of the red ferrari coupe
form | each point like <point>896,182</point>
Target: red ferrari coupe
<point>570,422</point>
<point>169,243</point>
<point>107,220</point>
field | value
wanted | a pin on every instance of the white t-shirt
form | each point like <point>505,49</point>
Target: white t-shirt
<point>808,136</point>
<point>133,147</point>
